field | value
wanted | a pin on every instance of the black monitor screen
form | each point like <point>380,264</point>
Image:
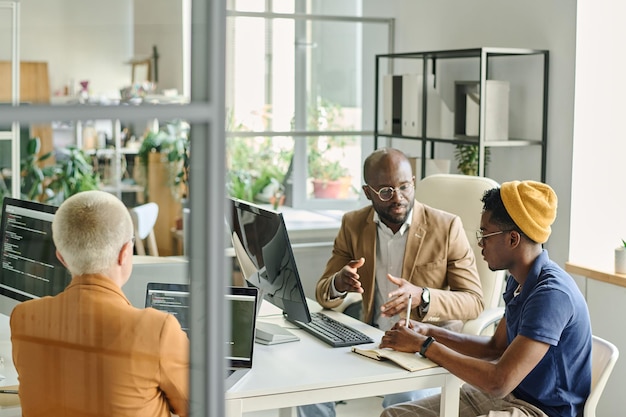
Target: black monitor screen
<point>260,239</point>
<point>30,268</point>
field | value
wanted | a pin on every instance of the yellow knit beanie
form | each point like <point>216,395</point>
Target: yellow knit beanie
<point>532,206</point>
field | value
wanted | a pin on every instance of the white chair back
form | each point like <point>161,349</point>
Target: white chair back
<point>144,218</point>
<point>603,358</point>
<point>461,195</point>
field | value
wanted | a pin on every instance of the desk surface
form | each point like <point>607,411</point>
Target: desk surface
<point>310,371</point>
<point>303,372</point>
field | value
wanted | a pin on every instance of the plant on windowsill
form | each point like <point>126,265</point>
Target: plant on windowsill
<point>256,167</point>
<point>256,171</point>
<point>620,258</point>
<point>326,154</point>
<point>330,178</point>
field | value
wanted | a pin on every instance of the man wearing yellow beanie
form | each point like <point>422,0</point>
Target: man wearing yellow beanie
<point>538,362</point>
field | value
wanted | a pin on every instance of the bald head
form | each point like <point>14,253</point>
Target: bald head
<point>386,169</point>
<point>384,159</point>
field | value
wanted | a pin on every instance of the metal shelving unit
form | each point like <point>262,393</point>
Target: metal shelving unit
<point>485,56</point>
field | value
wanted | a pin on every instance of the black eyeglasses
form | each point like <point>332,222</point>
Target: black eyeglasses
<point>386,193</point>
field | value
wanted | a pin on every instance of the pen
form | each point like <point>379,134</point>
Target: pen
<point>408,311</point>
<point>8,391</point>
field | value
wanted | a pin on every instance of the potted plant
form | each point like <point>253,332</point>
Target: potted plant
<point>166,152</point>
<point>256,170</point>
<point>467,158</point>
<point>53,183</point>
<point>620,258</point>
<point>163,162</point>
<point>329,177</point>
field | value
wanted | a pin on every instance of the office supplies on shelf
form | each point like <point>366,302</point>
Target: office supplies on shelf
<point>409,361</point>
<point>332,331</point>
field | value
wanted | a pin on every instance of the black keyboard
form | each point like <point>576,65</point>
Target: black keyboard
<point>333,332</point>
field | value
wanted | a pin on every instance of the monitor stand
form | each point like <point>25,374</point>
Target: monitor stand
<point>272,334</point>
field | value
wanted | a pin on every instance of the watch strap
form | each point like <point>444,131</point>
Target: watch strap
<point>429,341</point>
<point>422,309</point>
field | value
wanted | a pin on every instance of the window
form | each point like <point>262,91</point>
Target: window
<point>299,96</point>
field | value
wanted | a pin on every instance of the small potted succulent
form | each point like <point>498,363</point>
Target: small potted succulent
<point>620,258</point>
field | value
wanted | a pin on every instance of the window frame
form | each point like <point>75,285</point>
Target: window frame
<point>299,177</point>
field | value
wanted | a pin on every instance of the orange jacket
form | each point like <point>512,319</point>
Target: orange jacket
<point>87,352</point>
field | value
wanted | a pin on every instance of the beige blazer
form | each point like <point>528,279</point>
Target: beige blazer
<point>87,352</point>
<point>437,256</point>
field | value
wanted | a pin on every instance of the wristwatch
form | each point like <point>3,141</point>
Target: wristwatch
<point>425,303</point>
<point>429,341</point>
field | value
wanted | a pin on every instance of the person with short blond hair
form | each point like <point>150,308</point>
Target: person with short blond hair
<point>87,351</point>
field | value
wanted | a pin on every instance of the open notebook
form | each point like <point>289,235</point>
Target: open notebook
<point>409,361</point>
<point>174,299</point>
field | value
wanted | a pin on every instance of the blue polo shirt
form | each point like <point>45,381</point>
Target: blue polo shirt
<point>551,309</point>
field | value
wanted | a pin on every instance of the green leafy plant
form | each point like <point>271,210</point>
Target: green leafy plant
<point>172,141</point>
<point>4,189</point>
<point>72,174</point>
<point>321,166</point>
<point>255,165</point>
<point>467,158</point>
<point>624,243</point>
<point>53,183</point>
<point>32,176</point>
<point>326,115</point>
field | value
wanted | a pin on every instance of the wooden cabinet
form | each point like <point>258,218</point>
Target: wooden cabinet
<point>34,89</point>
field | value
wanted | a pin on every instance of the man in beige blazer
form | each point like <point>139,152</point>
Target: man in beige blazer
<point>87,351</point>
<point>395,248</point>
<point>398,246</point>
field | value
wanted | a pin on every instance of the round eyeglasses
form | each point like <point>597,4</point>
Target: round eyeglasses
<point>386,193</point>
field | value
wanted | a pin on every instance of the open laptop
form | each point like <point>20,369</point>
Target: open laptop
<point>174,299</point>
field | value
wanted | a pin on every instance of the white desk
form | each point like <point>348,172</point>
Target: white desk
<point>310,371</point>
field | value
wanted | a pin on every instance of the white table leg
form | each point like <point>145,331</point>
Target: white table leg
<point>450,397</point>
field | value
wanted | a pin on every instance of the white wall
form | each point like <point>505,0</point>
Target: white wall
<point>93,40</point>
<point>80,40</point>
<point>423,25</point>
<point>598,220</point>
<point>159,22</point>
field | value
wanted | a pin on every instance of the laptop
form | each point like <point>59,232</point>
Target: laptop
<point>174,299</point>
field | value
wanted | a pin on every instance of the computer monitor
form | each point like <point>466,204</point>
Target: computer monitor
<point>30,268</point>
<point>264,252</point>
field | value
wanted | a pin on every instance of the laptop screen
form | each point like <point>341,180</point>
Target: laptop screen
<point>171,298</point>
<point>174,299</point>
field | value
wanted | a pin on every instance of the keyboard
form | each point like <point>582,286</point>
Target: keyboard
<point>332,331</point>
